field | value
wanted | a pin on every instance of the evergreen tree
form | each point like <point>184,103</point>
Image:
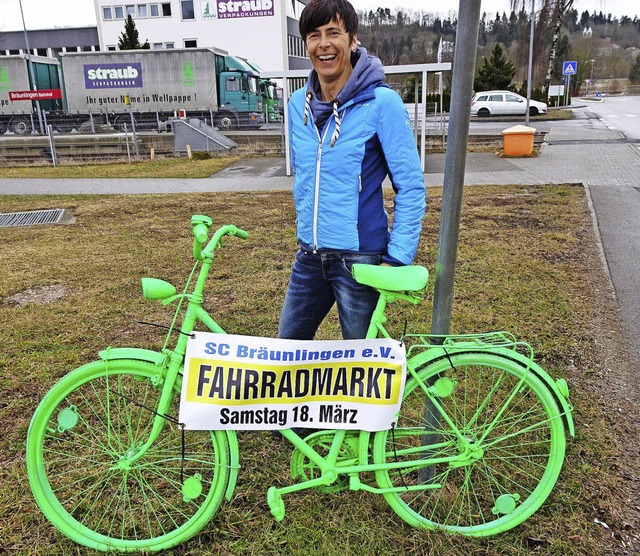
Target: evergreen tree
<point>495,73</point>
<point>634,74</point>
<point>129,38</point>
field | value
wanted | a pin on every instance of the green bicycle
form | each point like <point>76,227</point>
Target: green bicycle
<point>477,448</point>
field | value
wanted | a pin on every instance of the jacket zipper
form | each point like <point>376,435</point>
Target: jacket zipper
<point>316,194</point>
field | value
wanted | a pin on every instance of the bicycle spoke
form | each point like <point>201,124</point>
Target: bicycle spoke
<point>93,468</point>
<point>498,429</point>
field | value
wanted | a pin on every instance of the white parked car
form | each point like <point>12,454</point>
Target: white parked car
<point>498,103</point>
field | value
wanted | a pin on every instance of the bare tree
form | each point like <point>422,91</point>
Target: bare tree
<point>561,9</point>
<point>558,10</point>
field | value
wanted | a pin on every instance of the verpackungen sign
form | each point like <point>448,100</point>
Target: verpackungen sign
<point>252,383</point>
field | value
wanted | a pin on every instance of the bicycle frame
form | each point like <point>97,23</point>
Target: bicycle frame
<point>435,442</point>
<point>330,468</point>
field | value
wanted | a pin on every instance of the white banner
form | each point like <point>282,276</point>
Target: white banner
<point>252,383</point>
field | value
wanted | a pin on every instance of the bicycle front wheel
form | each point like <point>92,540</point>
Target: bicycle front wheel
<point>499,458</point>
<point>86,426</point>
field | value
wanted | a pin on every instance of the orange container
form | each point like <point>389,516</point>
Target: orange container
<point>518,140</point>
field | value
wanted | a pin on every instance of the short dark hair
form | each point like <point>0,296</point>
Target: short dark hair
<point>320,12</point>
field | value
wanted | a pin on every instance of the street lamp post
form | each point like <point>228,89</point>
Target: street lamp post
<point>33,75</point>
<point>590,78</point>
<point>529,70</point>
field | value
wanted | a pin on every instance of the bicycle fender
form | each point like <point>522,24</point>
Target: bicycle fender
<point>234,463</point>
<point>558,387</point>
<point>137,354</point>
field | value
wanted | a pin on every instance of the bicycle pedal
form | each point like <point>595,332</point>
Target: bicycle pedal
<point>276,503</point>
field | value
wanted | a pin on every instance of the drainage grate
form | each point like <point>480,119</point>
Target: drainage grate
<point>11,219</point>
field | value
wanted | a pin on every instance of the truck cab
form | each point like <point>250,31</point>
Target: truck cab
<point>240,97</point>
<point>273,103</point>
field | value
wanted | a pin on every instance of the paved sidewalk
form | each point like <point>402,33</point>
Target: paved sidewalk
<point>601,159</point>
<point>592,157</point>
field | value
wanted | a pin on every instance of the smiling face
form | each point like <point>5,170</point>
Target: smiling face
<point>329,47</point>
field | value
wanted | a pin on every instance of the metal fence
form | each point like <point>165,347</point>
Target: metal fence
<point>134,140</point>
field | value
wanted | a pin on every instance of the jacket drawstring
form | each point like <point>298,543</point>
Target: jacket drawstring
<point>336,131</point>
<point>336,117</point>
<point>306,108</point>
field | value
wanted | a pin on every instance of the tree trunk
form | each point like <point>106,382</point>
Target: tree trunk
<point>561,9</point>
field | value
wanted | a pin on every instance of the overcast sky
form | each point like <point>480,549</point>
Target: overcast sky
<point>45,14</point>
<point>615,7</point>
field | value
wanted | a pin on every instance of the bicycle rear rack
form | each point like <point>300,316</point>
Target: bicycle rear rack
<point>453,343</point>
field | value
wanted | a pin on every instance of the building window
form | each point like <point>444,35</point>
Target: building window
<point>157,46</point>
<point>14,51</point>
<point>111,48</point>
<point>294,9</point>
<point>160,10</point>
<point>169,45</point>
<point>142,10</point>
<point>119,12</point>
<point>131,10</point>
<point>296,47</point>
<point>187,9</point>
<point>190,43</point>
<point>106,13</point>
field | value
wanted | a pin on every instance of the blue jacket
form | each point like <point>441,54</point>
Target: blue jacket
<point>338,189</point>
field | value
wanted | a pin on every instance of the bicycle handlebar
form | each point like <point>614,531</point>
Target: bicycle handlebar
<point>200,228</point>
<point>200,231</point>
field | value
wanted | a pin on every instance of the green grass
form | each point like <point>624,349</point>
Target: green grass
<point>161,168</point>
<point>526,264</point>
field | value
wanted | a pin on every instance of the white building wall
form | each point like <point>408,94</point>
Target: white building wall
<point>252,29</point>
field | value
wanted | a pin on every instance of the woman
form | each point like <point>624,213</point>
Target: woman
<point>348,132</point>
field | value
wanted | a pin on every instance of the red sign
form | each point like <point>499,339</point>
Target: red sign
<point>44,94</point>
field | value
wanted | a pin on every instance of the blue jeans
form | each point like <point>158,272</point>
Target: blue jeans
<point>316,283</point>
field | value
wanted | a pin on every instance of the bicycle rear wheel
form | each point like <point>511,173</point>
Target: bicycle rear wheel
<point>513,445</point>
<point>91,420</point>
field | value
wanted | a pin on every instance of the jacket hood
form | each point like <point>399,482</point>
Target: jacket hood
<point>367,73</point>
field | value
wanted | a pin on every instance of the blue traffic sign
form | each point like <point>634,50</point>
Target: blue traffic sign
<point>569,68</point>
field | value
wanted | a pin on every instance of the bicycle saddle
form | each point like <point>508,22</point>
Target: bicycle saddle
<point>410,278</point>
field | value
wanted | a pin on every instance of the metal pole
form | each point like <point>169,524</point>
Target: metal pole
<point>33,75</point>
<point>287,154</point>
<point>460,112</point>
<point>126,138</point>
<point>529,70</point>
<point>133,128</point>
<point>415,108</point>
<point>54,156</point>
<point>423,130</point>
<point>442,118</point>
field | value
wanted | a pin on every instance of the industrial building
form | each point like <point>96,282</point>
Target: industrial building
<point>262,31</point>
